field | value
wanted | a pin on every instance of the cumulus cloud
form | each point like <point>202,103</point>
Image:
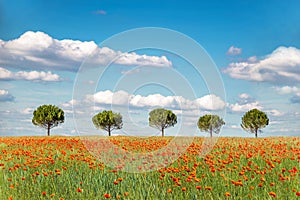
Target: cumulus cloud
<point>5,96</point>
<point>274,112</point>
<point>40,51</point>
<point>70,103</point>
<point>290,90</point>
<point>281,66</point>
<point>28,76</point>
<point>27,111</point>
<point>245,103</point>
<point>244,107</point>
<point>233,51</point>
<point>287,89</point>
<point>244,96</point>
<point>208,102</point>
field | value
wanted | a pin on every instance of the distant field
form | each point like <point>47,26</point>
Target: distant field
<point>62,168</point>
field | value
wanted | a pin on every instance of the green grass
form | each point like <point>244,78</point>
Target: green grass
<point>249,161</point>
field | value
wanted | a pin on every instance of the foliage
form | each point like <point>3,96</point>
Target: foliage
<point>210,123</point>
<point>254,120</point>
<point>108,121</point>
<point>161,119</point>
<point>48,116</point>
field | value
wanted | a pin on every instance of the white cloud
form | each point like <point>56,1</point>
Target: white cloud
<point>27,111</point>
<point>281,66</point>
<point>244,107</point>
<point>234,126</point>
<point>244,96</point>
<point>28,76</point>
<point>38,50</point>
<point>234,51</point>
<point>287,89</point>
<point>5,96</point>
<point>274,112</point>
<point>208,102</point>
<point>70,103</point>
<point>245,103</point>
<point>252,59</point>
<point>290,90</point>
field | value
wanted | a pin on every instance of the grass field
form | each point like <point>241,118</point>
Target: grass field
<point>63,168</point>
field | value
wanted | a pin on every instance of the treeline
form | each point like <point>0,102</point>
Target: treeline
<point>49,116</point>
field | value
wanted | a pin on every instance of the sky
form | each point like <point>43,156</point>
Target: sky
<point>192,57</point>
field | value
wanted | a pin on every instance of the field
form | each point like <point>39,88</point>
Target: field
<point>63,168</point>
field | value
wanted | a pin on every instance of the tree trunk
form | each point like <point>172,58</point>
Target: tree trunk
<point>109,132</point>
<point>163,132</point>
<point>255,133</point>
<point>210,131</point>
<point>48,130</point>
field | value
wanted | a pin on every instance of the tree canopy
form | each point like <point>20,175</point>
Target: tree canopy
<point>210,123</point>
<point>108,121</point>
<point>161,119</point>
<point>48,116</point>
<point>254,120</point>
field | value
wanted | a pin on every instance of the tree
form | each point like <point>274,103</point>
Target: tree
<point>210,123</point>
<point>48,116</point>
<point>254,120</point>
<point>161,119</point>
<point>108,120</point>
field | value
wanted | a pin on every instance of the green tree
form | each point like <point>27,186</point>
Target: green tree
<point>161,119</point>
<point>48,116</point>
<point>254,120</point>
<point>210,123</point>
<point>108,120</point>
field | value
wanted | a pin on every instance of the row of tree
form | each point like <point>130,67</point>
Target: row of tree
<point>49,116</point>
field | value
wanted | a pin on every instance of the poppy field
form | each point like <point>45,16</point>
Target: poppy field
<point>235,168</point>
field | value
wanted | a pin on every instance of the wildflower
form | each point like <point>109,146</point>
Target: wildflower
<point>208,188</point>
<point>227,194</point>
<point>107,196</point>
<point>126,194</point>
<point>198,187</point>
<point>57,171</point>
<point>52,195</point>
<point>169,190</point>
<point>183,189</point>
<point>79,189</point>
<point>272,194</point>
<point>44,193</point>
<point>298,194</point>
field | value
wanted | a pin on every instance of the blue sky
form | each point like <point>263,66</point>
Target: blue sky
<point>254,45</point>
